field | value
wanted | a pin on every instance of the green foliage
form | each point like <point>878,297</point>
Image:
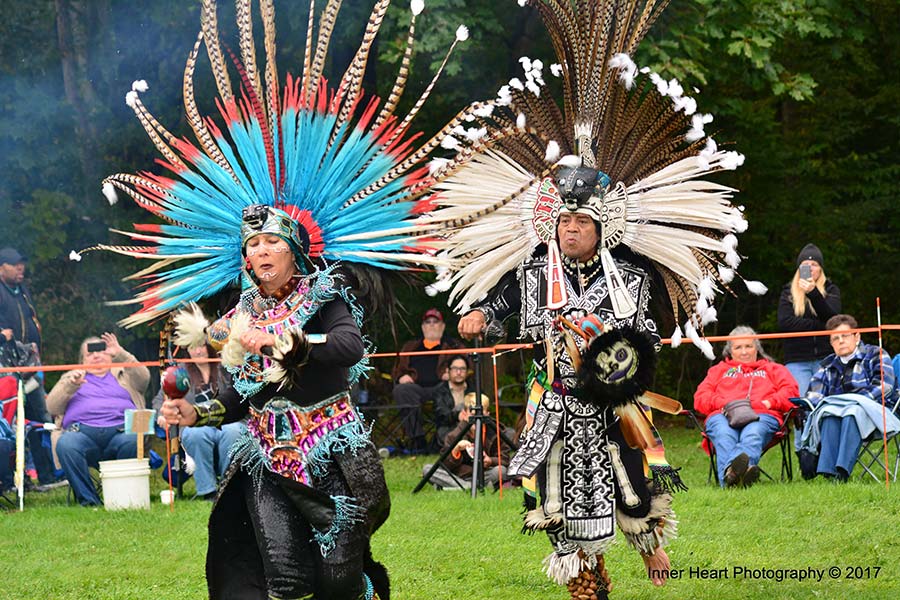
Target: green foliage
<point>802,87</point>
<point>701,37</point>
<point>42,218</point>
<point>472,71</point>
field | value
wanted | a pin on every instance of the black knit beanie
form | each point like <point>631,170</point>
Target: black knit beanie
<point>811,252</point>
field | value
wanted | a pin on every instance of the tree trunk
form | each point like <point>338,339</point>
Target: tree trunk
<point>72,28</point>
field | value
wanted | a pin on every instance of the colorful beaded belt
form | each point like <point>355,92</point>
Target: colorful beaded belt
<point>297,440</point>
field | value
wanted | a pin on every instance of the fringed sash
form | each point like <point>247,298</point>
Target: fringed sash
<point>298,442</point>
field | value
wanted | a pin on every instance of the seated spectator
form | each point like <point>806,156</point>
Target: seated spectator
<point>449,397</point>
<point>208,446</point>
<point>417,377</point>
<point>91,404</point>
<point>456,471</point>
<point>746,372</point>
<point>17,354</point>
<point>846,395</point>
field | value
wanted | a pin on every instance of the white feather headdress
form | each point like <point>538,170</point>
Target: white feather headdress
<point>638,129</point>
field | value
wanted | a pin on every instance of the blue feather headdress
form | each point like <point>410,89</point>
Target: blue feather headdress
<point>346,169</point>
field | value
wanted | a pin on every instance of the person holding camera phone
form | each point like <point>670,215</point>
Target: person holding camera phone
<point>806,304</point>
<point>746,397</point>
<point>90,405</point>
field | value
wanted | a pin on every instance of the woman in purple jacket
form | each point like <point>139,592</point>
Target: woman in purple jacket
<point>92,404</point>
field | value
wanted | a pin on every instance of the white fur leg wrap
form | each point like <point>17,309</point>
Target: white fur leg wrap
<point>536,520</point>
<point>562,568</point>
<point>190,327</point>
<point>656,530</point>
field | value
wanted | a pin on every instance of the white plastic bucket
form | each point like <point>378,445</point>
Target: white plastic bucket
<point>126,483</point>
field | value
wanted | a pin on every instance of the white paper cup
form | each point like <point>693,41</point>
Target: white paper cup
<point>166,496</point>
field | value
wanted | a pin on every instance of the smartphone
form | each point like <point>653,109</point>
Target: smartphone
<point>96,347</point>
<point>805,272</point>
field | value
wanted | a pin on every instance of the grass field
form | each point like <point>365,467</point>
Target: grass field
<point>445,545</point>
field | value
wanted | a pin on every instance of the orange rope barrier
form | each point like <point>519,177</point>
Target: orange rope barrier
<point>501,348</point>
<point>775,336</point>
<point>149,363</point>
<point>465,350</point>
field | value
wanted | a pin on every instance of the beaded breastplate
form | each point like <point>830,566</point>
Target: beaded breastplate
<point>275,317</point>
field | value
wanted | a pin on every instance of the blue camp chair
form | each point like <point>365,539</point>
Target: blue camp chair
<point>872,452</point>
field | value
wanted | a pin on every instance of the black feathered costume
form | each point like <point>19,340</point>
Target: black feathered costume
<point>306,488</point>
<point>585,475</point>
<point>626,147</point>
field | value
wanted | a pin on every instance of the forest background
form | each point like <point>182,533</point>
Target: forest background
<point>806,89</point>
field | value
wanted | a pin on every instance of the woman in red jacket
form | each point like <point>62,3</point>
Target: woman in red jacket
<point>746,372</point>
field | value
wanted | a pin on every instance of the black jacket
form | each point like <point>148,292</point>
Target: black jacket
<point>445,414</point>
<point>17,313</point>
<point>802,349</point>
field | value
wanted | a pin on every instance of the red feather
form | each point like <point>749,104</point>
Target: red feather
<point>250,94</point>
<point>148,227</point>
<point>306,220</point>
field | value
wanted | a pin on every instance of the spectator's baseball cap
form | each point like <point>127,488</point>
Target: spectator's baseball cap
<point>433,313</point>
<point>11,256</point>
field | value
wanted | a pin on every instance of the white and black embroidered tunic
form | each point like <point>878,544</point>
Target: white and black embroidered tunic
<point>587,477</point>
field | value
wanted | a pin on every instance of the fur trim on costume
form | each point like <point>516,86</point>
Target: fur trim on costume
<point>563,567</point>
<point>536,520</point>
<point>617,367</point>
<point>289,354</point>
<point>190,327</point>
<point>598,547</point>
<point>667,479</point>
<point>233,352</point>
<point>656,530</point>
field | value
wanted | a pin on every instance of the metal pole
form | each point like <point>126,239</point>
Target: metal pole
<point>477,414</point>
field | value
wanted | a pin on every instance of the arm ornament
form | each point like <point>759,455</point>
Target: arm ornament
<point>289,354</point>
<point>190,327</point>
<point>210,413</point>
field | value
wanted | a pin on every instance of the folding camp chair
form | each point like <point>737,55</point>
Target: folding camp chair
<point>95,479</point>
<point>9,401</point>
<point>871,453</point>
<point>7,454</point>
<point>782,439</point>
